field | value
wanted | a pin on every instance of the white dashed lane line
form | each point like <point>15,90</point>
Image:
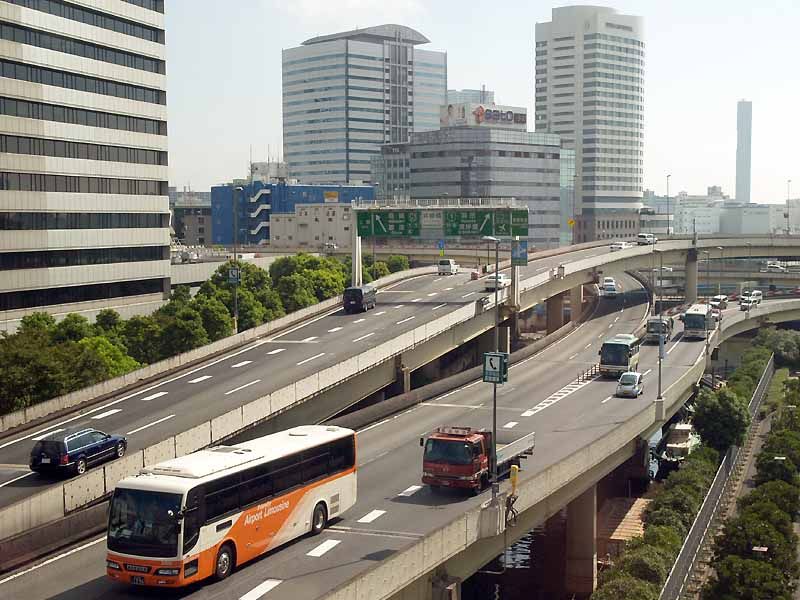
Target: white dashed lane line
<point>468,295</point>
<point>302,362</point>
<point>399,306</point>
<point>199,379</point>
<point>154,396</point>
<point>606,400</point>
<point>261,589</point>
<point>44,435</point>
<point>410,491</point>
<point>440,306</point>
<point>276,351</point>
<point>432,294</point>
<point>510,425</point>
<point>587,346</point>
<point>573,356</point>
<point>143,427</point>
<point>378,314</point>
<point>10,481</point>
<point>404,321</point>
<point>359,320</point>
<point>363,337</point>
<point>417,300</point>
<point>335,329</point>
<point>324,547</point>
<point>371,516</point>
<point>310,338</point>
<point>241,364</point>
<point>108,413</point>
<point>241,387</point>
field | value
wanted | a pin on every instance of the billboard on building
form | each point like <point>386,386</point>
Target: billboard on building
<point>331,196</point>
<point>470,114</point>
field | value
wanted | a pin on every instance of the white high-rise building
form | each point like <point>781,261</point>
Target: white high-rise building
<point>744,131</point>
<point>481,96</point>
<point>347,94</point>
<point>84,206</point>
<point>589,88</point>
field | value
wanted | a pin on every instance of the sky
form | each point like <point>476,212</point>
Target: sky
<point>224,78</point>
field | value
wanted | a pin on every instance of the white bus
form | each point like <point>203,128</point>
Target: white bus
<point>698,321</point>
<point>619,354</point>
<point>206,513</point>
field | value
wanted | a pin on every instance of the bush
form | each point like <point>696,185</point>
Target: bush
<point>721,418</point>
<point>397,263</point>
<point>646,563</point>
<point>625,587</point>
<point>783,495</point>
<point>745,579</point>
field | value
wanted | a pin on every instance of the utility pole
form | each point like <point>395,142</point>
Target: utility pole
<point>495,484</point>
<point>238,275</point>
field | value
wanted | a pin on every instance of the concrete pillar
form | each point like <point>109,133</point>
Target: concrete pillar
<point>581,555</point>
<point>576,303</point>
<point>555,312</point>
<point>405,374</point>
<point>505,338</point>
<point>691,276</point>
<point>356,255</point>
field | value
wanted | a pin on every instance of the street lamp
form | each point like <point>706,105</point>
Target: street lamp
<point>496,241</point>
<point>661,341</point>
<point>788,195</point>
<point>721,268</point>
<point>236,259</point>
<point>668,212</point>
<point>708,293</point>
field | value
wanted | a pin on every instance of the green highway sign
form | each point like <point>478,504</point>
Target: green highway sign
<point>455,222</point>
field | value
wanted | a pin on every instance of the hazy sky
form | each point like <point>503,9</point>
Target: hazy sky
<point>224,72</point>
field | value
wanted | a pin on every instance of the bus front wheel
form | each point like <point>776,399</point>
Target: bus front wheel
<point>319,519</point>
<point>224,564</point>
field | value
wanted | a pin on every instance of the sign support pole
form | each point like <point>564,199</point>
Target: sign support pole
<point>356,258</point>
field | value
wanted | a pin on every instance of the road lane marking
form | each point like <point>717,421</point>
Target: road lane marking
<point>199,379</point>
<point>241,387</point>
<point>606,400</point>
<point>404,321</point>
<point>359,320</point>
<point>440,306</point>
<point>468,295</point>
<point>399,306</point>
<point>261,589</point>
<point>510,425</point>
<point>108,413</point>
<point>447,289</point>
<point>276,351</point>
<point>154,396</point>
<point>371,516</point>
<point>616,319</point>
<point>646,372</point>
<point>335,329</point>
<point>44,435</point>
<point>324,547</point>
<point>610,325</point>
<point>410,491</point>
<point>363,337</point>
<point>675,345</point>
<point>556,396</point>
<point>417,300</point>
<point>310,338</point>
<point>241,364</point>
<point>302,362</point>
<point>432,294</point>
<point>378,314</point>
<point>10,481</point>
<point>143,427</point>
<point>573,356</point>
<point>52,560</point>
<point>587,346</point>
<point>376,532</point>
<point>600,337</point>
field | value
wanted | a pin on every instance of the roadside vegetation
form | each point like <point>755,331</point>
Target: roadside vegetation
<point>45,359</point>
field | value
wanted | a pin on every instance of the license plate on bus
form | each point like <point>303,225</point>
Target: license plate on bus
<point>45,460</point>
<point>137,579</point>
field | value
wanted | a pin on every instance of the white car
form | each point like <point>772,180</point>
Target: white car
<point>630,385</point>
<point>499,280</point>
<point>609,280</point>
<point>774,267</point>
<point>620,246</point>
<point>646,239</point>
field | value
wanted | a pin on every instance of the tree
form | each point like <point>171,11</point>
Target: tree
<point>28,373</point>
<point>667,517</point>
<point>721,418</point>
<point>40,321</point>
<point>397,262</point>
<point>326,283</point>
<point>737,578</point>
<point>283,267</point>
<point>679,500</point>
<point>746,531</point>
<point>379,269</point>
<point>116,362</point>
<point>108,320</point>
<point>783,495</point>
<point>142,338</point>
<point>181,295</point>
<point>783,443</point>
<point>664,537</point>
<point>270,299</point>
<point>296,292</point>
<point>71,328</point>
<point>770,468</point>
<point>646,563</point>
<point>625,587</point>
<point>185,332</point>
<point>217,321</point>
<point>251,311</point>
<point>768,512</point>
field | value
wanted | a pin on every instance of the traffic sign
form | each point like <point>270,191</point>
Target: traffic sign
<point>495,367</point>
<point>519,253</point>
<point>234,275</point>
<point>440,244</point>
<point>452,222</point>
<point>571,222</point>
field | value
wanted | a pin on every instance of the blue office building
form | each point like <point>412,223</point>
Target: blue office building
<point>258,200</point>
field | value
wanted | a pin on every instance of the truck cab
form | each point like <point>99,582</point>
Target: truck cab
<point>456,457</point>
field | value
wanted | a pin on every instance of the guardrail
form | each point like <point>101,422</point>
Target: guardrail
<point>687,557</point>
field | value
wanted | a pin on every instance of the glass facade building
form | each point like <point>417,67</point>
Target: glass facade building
<point>347,94</point>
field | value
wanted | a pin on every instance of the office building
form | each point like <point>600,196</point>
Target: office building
<point>313,227</point>
<point>347,94</point>
<point>481,96</point>
<point>479,153</point>
<point>258,202</point>
<point>84,208</point>
<point>589,89</point>
<point>744,132</point>
<point>191,216</point>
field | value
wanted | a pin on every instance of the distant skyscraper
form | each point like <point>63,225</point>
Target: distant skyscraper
<point>589,88</point>
<point>744,134</point>
<point>482,96</point>
<point>347,94</point>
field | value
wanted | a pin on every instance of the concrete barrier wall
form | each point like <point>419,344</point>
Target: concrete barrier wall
<point>151,372</point>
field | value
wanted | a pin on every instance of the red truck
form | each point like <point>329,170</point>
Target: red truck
<point>458,457</point>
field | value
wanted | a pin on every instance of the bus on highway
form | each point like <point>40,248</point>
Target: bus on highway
<point>205,513</point>
<point>698,321</point>
<point>619,354</point>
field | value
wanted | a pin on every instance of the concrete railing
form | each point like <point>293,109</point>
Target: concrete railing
<point>118,385</point>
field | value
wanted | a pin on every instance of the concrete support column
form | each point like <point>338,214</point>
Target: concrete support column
<point>405,375</point>
<point>691,276</point>
<point>555,312</point>
<point>356,257</point>
<point>576,303</point>
<point>504,336</point>
<point>581,555</point>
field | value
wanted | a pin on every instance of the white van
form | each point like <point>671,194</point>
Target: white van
<point>756,296</point>
<point>447,266</point>
<point>646,239</point>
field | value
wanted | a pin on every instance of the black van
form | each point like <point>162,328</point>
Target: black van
<point>357,299</point>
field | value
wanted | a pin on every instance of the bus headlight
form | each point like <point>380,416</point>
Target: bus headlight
<point>113,565</point>
<point>426,474</point>
<point>170,572</point>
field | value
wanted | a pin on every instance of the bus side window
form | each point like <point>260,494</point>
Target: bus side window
<point>342,455</point>
<point>192,520</point>
<point>315,463</point>
<point>222,496</point>
<point>286,473</point>
<point>256,485</point>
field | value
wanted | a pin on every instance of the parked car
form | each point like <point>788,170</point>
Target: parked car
<point>620,246</point>
<point>499,280</point>
<point>646,239</point>
<point>74,451</point>
<point>630,385</point>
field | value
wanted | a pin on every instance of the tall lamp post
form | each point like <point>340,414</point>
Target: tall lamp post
<point>708,288</point>
<point>236,259</point>
<point>496,241</point>
<point>661,341</point>
<point>788,195</point>
<point>721,268</point>
<point>668,207</point>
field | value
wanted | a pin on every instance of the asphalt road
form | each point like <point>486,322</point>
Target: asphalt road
<point>541,396</point>
<point>192,396</point>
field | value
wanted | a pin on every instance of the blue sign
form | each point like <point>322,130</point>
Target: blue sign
<point>440,245</point>
<point>519,253</point>
<point>234,276</point>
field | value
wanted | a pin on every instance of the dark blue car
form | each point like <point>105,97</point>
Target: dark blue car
<point>75,451</point>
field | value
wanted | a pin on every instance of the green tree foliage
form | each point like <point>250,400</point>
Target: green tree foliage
<point>107,321</point>
<point>768,468</point>
<point>397,262</point>
<point>783,495</point>
<point>626,587</point>
<point>646,563</point>
<point>217,321</point>
<point>737,578</point>
<point>183,333</point>
<point>665,538</point>
<point>326,283</point>
<point>296,292</point>
<point>115,361</point>
<point>71,328</point>
<point>40,321</point>
<point>721,418</point>
<point>783,342</point>
<point>769,512</point>
<point>251,311</point>
<point>379,269</point>
<point>142,337</point>
<point>28,372</point>
<point>668,517</point>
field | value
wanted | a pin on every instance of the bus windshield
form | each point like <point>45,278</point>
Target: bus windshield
<point>448,451</point>
<point>614,354</point>
<point>694,321</point>
<point>140,523</point>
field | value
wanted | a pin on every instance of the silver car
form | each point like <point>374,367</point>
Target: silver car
<point>630,385</point>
